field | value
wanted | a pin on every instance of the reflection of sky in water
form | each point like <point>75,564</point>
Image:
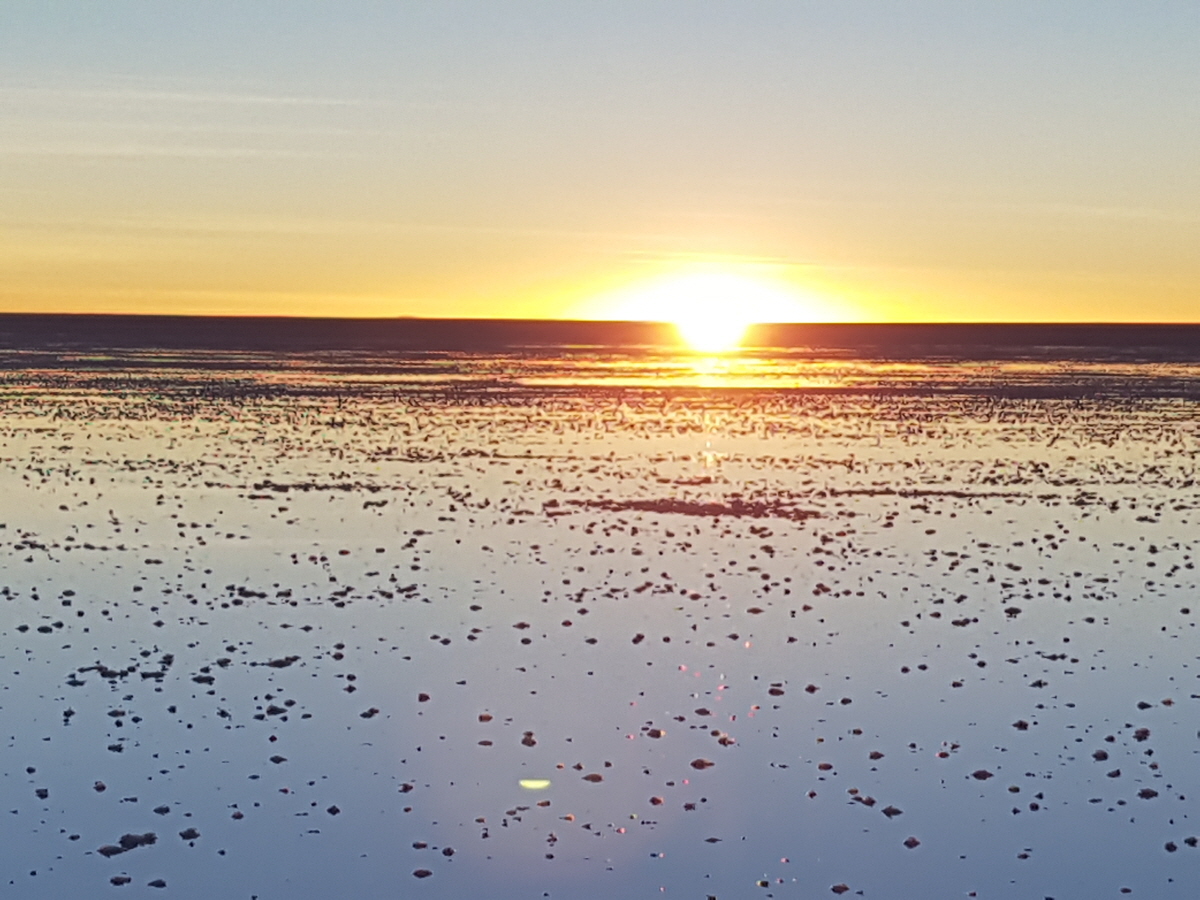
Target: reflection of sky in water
<point>595,368</point>
<point>514,624</point>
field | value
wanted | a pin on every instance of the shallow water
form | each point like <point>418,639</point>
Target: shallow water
<point>597,626</point>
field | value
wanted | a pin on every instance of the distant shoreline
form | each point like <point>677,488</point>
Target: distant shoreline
<point>1101,341</point>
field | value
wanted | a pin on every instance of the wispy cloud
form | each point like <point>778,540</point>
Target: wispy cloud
<point>1083,210</point>
<point>126,119</point>
<point>300,225</point>
<point>141,95</point>
<point>197,225</point>
<point>145,151</point>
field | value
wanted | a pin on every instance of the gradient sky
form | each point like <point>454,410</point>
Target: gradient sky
<point>1000,160</point>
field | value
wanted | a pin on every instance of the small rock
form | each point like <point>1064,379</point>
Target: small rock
<point>131,841</point>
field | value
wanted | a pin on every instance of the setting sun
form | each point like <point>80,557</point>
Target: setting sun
<point>711,310</point>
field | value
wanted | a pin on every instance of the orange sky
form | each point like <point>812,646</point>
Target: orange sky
<point>932,161</point>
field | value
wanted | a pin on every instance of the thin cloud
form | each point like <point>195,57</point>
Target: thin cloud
<point>299,225</point>
<point>146,151</point>
<point>1060,209</point>
<point>123,95</point>
<point>1132,213</point>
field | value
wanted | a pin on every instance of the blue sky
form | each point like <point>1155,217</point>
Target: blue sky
<point>889,160</point>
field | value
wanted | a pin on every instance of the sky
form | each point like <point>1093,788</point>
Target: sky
<point>836,160</point>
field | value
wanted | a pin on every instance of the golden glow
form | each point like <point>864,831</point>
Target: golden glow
<point>712,308</point>
<point>534,784</point>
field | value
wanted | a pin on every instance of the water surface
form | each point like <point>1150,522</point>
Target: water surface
<point>597,623</point>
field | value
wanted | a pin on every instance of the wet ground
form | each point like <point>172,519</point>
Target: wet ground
<point>285,626</point>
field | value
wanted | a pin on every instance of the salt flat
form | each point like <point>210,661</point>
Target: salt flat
<point>285,626</point>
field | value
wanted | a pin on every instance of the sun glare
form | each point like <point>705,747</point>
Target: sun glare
<point>711,311</point>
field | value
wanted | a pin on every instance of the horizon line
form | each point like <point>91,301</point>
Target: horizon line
<point>582,321</point>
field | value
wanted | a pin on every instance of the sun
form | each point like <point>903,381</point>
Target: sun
<point>711,310</point>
